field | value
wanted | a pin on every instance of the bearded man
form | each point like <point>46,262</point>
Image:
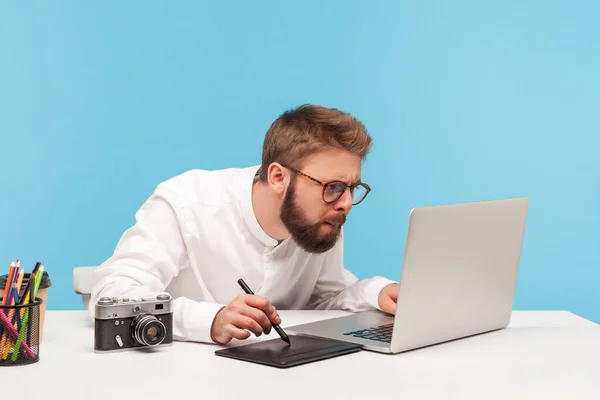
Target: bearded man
<point>277,226</point>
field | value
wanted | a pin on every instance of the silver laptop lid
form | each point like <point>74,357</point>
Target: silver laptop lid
<point>459,271</point>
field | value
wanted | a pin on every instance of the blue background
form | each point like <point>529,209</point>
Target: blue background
<point>466,100</point>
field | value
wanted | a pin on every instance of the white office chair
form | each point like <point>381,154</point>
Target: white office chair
<point>83,280</point>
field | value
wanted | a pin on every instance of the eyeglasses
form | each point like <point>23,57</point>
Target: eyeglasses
<point>332,191</point>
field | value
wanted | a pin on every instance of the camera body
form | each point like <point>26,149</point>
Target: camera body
<point>123,324</point>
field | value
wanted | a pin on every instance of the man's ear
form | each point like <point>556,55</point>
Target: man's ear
<point>277,178</point>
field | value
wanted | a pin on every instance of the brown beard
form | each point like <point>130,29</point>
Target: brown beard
<point>307,235</point>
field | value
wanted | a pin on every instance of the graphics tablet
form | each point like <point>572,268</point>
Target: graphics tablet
<point>277,353</point>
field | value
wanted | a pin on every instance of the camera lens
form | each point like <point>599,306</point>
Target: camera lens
<point>148,330</point>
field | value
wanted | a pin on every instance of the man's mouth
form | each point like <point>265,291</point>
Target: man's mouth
<point>334,223</point>
<point>337,222</point>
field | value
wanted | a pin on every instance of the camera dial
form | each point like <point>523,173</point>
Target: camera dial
<point>105,301</point>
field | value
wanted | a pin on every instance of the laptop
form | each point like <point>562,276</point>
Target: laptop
<point>458,279</point>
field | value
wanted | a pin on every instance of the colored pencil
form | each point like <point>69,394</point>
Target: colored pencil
<point>35,278</point>
<point>38,281</point>
<point>6,301</point>
<point>29,282</point>
<point>14,298</point>
<point>24,311</point>
<point>8,282</point>
<point>34,289</point>
<point>13,314</point>
<point>11,330</point>
<point>5,342</point>
<point>25,297</point>
<point>16,295</point>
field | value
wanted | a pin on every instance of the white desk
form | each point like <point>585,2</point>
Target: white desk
<point>542,355</point>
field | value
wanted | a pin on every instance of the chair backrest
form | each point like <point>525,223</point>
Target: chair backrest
<point>83,280</point>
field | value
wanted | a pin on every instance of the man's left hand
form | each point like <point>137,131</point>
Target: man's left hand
<point>388,297</point>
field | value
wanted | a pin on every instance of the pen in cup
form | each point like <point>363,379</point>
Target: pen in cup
<point>277,328</point>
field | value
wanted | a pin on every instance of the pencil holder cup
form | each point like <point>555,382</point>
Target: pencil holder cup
<point>42,294</point>
<point>20,333</point>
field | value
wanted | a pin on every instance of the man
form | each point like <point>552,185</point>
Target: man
<point>278,226</point>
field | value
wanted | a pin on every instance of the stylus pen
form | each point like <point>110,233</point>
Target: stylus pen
<point>277,328</point>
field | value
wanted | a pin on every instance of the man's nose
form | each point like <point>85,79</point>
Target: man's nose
<point>344,203</point>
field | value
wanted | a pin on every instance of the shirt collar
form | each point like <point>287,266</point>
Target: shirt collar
<point>248,211</point>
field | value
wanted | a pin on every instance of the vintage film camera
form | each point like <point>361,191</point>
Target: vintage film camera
<point>122,324</point>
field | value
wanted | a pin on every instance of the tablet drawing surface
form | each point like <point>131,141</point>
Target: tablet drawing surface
<point>277,353</point>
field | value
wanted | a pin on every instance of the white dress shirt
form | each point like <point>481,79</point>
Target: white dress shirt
<point>197,235</point>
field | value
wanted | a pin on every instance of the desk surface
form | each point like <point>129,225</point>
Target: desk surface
<point>542,354</point>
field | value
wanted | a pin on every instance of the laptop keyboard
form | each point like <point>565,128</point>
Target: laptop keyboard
<point>381,333</point>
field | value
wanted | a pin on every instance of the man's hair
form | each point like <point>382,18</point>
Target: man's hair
<point>301,132</point>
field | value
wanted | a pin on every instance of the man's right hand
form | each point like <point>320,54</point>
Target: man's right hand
<point>246,313</point>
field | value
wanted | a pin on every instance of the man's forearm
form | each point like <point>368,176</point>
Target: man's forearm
<point>361,295</point>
